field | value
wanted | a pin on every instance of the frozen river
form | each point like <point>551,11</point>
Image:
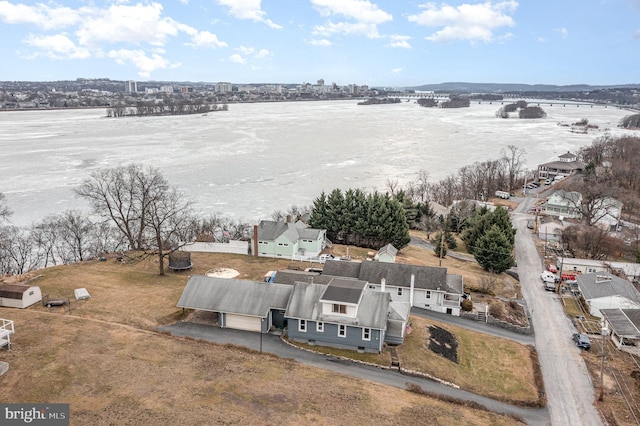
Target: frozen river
<point>254,159</point>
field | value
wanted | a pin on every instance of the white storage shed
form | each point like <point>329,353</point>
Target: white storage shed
<point>19,295</point>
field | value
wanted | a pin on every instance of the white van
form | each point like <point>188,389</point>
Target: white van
<point>549,277</point>
<point>503,194</point>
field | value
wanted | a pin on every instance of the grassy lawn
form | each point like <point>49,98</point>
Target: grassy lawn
<point>487,365</point>
<point>116,374</point>
<point>103,356</point>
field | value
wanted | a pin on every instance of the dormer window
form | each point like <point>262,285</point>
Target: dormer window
<point>336,308</point>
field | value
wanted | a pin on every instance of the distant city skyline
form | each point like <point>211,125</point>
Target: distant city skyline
<point>377,43</point>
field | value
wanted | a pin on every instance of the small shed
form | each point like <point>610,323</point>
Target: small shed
<point>19,295</point>
<point>387,254</point>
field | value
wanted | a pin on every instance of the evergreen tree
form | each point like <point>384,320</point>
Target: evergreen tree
<point>493,251</point>
<point>500,217</point>
<point>319,218</point>
<point>439,245</point>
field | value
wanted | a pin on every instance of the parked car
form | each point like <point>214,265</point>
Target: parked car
<point>530,224</point>
<point>549,277</point>
<point>582,341</point>
<point>548,182</point>
<point>552,268</point>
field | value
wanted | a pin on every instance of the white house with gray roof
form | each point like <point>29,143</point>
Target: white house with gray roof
<point>344,313</point>
<point>421,286</point>
<point>563,203</point>
<point>287,240</point>
<point>603,290</point>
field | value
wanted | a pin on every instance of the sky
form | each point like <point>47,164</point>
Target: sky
<point>381,43</point>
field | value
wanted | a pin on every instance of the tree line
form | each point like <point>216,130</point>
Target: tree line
<point>132,208</point>
<point>165,107</point>
<point>365,220</point>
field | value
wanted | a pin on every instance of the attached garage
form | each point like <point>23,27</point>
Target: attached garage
<point>19,295</point>
<point>240,304</point>
<point>242,322</point>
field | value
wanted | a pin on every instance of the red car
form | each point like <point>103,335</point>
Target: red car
<point>552,268</point>
<point>570,277</point>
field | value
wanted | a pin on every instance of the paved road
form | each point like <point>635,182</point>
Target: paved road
<point>273,344</point>
<point>568,385</point>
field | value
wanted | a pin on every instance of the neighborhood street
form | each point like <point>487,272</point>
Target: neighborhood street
<point>568,386</point>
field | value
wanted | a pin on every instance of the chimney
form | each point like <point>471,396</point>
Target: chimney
<point>382,283</point>
<point>413,279</point>
<point>255,240</point>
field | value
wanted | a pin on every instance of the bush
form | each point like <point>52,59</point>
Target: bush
<point>467,305</point>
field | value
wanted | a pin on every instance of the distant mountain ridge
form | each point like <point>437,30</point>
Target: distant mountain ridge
<point>514,87</point>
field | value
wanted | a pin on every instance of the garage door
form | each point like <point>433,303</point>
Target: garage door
<point>242,322</point>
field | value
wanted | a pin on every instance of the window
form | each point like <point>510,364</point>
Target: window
<point>320,327</point>
<point>342,331</point>
<point>399,291</point>
<point>307,241</point>
<point>302,326</point>
<point>366,334</point>
<point>339,309</point>
<point>427,294</point>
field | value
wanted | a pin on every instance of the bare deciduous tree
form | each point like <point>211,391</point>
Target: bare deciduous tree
<point>513,158</point>
<point>4,209</point>
<point>143,207</point>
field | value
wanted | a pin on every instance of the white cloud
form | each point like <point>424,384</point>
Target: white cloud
<point>363,17</point>
<point>320,42</point>
<point>39,15</point>
<point>121,23</point>
<point>399,41</point>
<point>396,71</point>
<point>145,64</point>
<point>248,10</point>
<point>57,46</point>
<point>245,53</point>
<point>205,39</point>
<point>262,53</point>
<point>562,31</point>
<point>473,22</point>
<point>369,30</point>
<point>237,58</point>
<point>359,10</point>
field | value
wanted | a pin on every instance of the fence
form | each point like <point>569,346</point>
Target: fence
<point>233,246</point>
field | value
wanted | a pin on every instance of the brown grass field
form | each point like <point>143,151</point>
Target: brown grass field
<point>103,357</point>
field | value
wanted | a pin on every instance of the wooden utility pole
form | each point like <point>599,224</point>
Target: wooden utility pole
<point>441,248</point>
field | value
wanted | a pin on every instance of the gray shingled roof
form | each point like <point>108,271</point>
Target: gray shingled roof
<point>389,248</point>
<point>13,291</point>
<point>290,277</point>
<point>625,322</point>
<point>343,290</point>
<point>341,268</point>
<point>304,303</point>
<point>269,230</point>
<point>604,284</point>
<point>234,296</point>
<point>395,274</point>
